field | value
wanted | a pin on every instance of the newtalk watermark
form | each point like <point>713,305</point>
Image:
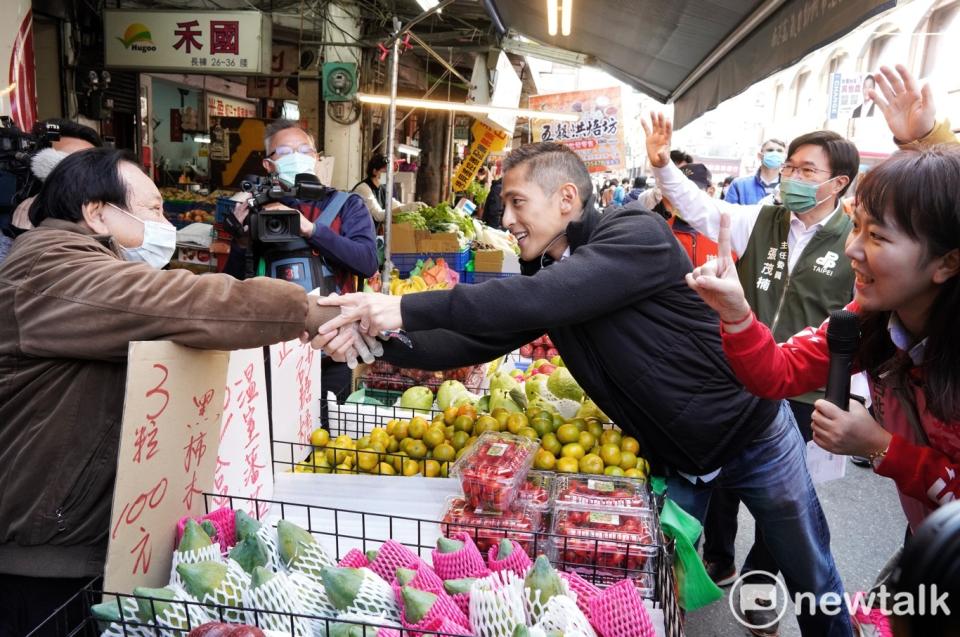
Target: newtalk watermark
<point>766,592</point>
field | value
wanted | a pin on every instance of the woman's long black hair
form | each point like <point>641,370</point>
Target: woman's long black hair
<point>919,192</point>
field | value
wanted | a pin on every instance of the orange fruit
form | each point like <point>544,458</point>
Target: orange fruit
<point>574,450</point>
<point>611,437</point>
<point>319,437</point>
<point>629,443</point>
<point>434,436</point>
<point>568,433</point>
<point>591,463</point>
<point>544,460</point>
<point>611,455</point>
<point>567,465</point>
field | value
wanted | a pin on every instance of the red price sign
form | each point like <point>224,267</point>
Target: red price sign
<point>168,457</point>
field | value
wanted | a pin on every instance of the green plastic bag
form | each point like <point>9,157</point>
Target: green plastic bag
<point>695,587</point>
<point>360,396</point>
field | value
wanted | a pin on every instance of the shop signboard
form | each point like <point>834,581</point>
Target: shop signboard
<point>597,137</point>
<point>486,139</point>
<point>195,41</point>
<point>223,106</point>
<point>280,85</point>
<point>167,459</point>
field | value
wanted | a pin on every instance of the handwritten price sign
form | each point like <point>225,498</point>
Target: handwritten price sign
<point>295,385</point>
<point>168,456</point>
<point>243,464</point>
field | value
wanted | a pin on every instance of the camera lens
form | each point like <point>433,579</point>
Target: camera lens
<point>276,225</point>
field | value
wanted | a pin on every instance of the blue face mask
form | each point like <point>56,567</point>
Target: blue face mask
<point>773,159</point>
<point>801,196</point>
<point>289,166</point>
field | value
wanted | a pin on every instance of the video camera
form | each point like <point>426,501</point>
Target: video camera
<point>16,149</point>
<point>279,226</point>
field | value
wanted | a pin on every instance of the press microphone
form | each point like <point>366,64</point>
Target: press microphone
<point>843,339</point>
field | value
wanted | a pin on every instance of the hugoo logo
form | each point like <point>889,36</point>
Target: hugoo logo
<point>137,38</point>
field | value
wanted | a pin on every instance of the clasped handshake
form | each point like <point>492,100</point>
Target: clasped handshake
<point>354,334</point>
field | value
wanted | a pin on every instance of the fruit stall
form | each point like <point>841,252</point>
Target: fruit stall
<point>524,512</point>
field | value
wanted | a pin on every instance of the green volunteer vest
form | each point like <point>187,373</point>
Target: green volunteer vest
<point>821,281</point>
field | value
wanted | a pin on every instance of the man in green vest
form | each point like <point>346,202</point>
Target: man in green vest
<point>791,265</point>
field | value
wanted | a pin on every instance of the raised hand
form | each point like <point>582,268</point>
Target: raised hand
<point>719,286</point>
<point>659,134</point>
<point>908,109</point>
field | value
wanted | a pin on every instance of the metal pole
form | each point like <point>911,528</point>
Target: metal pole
<point>391,144</point>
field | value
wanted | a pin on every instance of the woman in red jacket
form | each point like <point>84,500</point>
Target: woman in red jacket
<point>905,250</point>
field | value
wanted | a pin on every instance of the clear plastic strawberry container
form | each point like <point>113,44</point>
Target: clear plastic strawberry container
<point>535,490</point>
<point>519,523</point>
<point>605,545</point>
<point>493,470</point>
<point>601,493</point>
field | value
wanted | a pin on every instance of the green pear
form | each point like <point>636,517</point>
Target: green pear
<point>194,537</point>
<point>542,577</point>
<point>202,578</point>
<point>250,553</point>
<point>246,526</point>
<point>342,585</point>
<point>156,603</point>
<point>504,549</point>
<point>260,577</point>
<point>459,586</point>
<point>405,576</point>
<point>446,545</point>
<point>416,604</point>
<point>290,539</point>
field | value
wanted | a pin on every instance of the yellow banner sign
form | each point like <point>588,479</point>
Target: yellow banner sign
<point>486,139</point>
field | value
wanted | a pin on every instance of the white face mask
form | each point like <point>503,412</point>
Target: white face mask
<point>289,166</point>
<point>159,242</point>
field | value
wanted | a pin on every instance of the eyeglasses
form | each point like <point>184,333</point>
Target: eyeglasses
<point>303,149</point>
<point>806,172</point>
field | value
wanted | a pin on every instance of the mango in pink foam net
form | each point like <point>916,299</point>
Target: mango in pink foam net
<point>458,557</point>
<point>508,556</point>
<point>391,556</point>
<point>354,559</point>
<point>422,609</point>
<point>619,612</point>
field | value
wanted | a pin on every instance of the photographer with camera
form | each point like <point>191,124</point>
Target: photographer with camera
<point>294,228</point>
<point>37,165</point>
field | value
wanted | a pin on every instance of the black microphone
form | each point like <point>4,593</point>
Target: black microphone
<point>843,339</point>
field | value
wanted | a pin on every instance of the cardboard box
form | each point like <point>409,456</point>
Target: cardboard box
<point>403,238</point>
<point>496,261</point>
<point>438,242</point>
<point>488,261</point>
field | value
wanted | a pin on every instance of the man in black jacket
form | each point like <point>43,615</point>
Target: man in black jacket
<point>642,345</point>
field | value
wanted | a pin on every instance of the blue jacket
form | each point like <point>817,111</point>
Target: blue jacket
<point>746,190</point>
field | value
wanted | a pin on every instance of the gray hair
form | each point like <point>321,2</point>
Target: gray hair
<point>278,125</point>
<point>551,165</point>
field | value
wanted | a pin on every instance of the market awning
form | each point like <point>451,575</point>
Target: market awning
<point>695,53</point>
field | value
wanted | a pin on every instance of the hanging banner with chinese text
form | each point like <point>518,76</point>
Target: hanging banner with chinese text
<point>486,139</point>
<point>597,137</point>
<point>167,458</point>
<point>201,41</point>
<point>296,395</point>
<point>243,462</point>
